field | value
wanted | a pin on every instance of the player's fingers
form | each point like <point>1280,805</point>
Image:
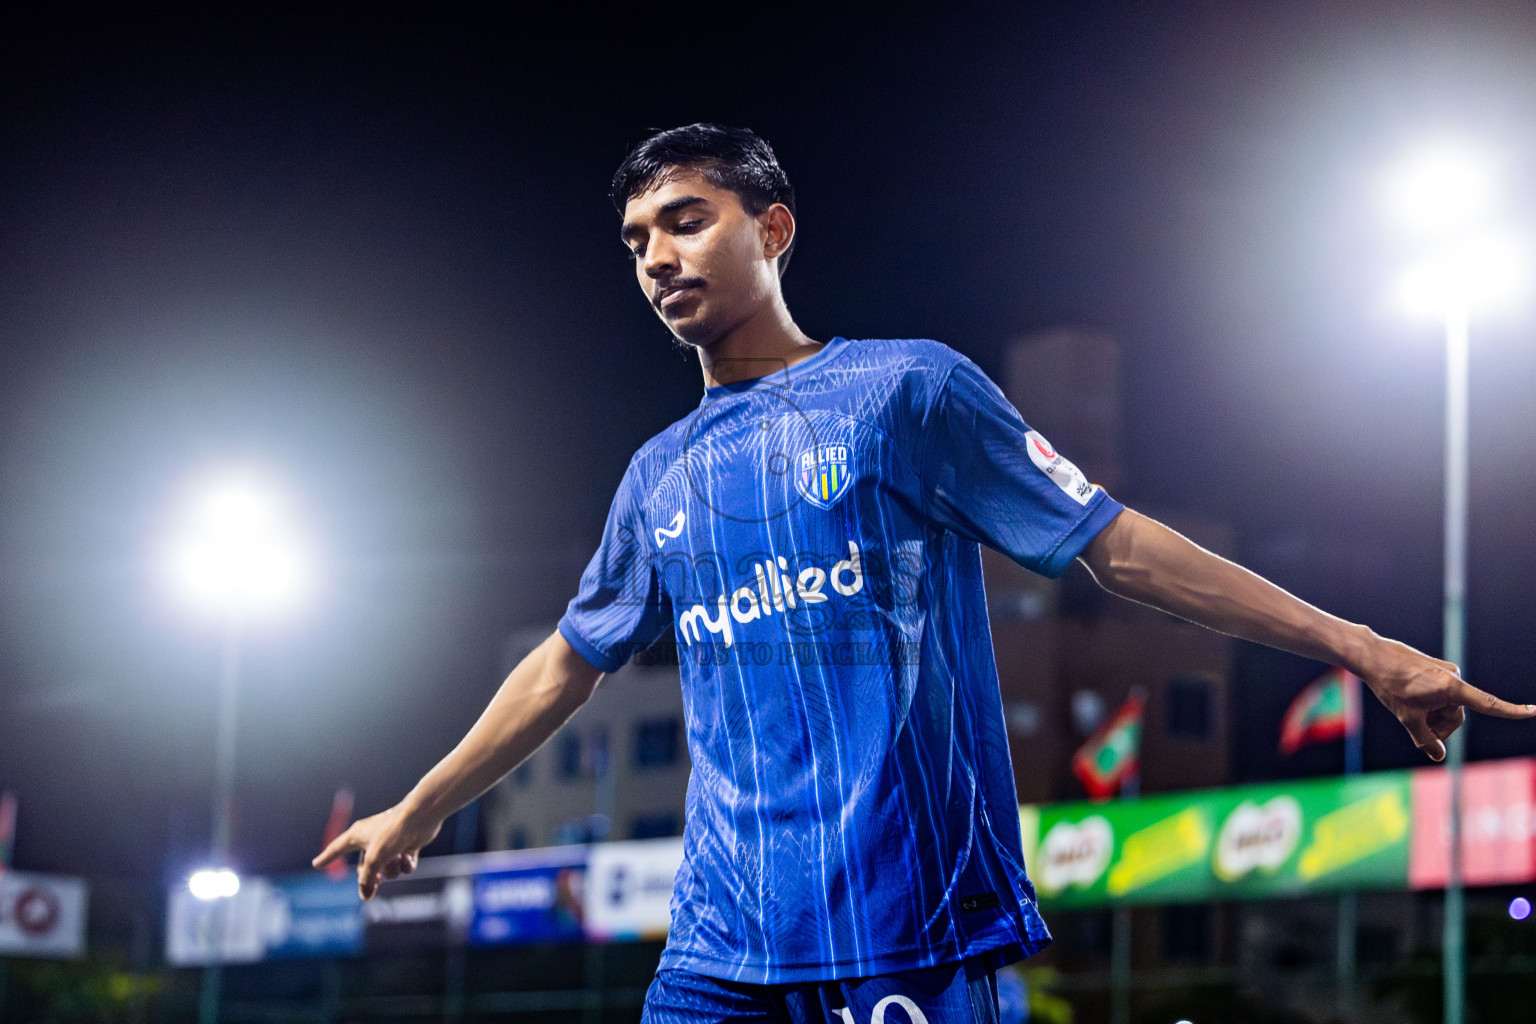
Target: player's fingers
<point>1487,704</point>
<point>392,868</point>
<point>1446,719</point>
<point>344,843</point>
<point>368,873</point>
<point>407,863</point>
<point>1424,738</point>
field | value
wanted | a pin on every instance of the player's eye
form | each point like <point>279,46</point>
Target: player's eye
<point>689,225</point>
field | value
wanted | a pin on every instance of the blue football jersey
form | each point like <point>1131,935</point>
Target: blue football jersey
<point>811,537</point>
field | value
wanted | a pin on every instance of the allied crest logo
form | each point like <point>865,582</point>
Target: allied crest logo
<point>823,473</point>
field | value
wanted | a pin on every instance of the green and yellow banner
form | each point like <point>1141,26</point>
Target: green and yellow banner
<point>1242,842</point>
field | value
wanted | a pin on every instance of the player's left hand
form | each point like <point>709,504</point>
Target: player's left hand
<point>1428,695</point>
<point>389,843</point>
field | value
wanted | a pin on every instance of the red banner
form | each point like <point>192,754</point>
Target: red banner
<point>1498,824</point>
<point>335,825</point>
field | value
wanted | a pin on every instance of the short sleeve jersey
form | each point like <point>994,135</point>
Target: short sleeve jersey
<point>811,537</point>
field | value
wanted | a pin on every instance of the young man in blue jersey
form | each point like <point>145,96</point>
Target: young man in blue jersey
<point>810,534</point>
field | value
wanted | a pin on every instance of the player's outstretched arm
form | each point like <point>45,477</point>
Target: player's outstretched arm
<point>1141,559</point>
<point>543,691</point>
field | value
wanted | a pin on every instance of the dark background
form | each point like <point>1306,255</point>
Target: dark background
<point>374,253</point>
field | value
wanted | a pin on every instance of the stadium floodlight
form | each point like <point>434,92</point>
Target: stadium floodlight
<point>213,884</point>
<point>1442,187</point>
<point>1484,272</point>
<point>238,550</point>
<point>1446,195</point>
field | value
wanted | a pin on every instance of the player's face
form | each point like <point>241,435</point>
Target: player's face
<point>705,264</point>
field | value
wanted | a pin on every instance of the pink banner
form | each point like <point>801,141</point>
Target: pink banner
<point>1498,824</point>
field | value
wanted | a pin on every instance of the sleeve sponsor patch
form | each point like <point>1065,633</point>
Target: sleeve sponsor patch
<point>1067,476</point>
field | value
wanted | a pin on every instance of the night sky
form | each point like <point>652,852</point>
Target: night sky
<point>374,254</point>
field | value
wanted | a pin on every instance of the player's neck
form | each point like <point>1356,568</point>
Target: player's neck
<point>767,343</point>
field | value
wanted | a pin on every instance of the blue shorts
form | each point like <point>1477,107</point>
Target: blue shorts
<point>958,993</point>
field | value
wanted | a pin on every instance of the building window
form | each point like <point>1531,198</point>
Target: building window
<point>1024,717</point>
<point>570,756</point>
<point>1191,708</point>
<point>656,743</point>
<point>1186,932</point>
<point>1088,711</point>
<point>655,826</point>
<point>589,828</point>
<point>597,751</point>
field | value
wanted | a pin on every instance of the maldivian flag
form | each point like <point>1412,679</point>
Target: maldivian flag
<point>1328,709</point>
<point>7,829</point>
<point>1114,752</point>
<point>335,825</point>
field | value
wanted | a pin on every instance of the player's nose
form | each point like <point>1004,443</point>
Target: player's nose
<point>660,258</point>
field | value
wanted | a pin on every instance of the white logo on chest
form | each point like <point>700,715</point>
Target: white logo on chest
<point>772,591</point>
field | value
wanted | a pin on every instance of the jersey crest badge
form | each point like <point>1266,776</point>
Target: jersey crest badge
<point>823,473</point>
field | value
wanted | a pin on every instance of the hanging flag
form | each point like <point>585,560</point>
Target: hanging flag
<point>1112,754</point>
<point>335,825</point>
<point>7,829</point>
<point>1328,709</point>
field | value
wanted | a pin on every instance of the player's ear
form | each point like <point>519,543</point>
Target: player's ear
<point>778,226</point>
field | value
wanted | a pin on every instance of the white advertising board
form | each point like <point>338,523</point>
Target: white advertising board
<point>42,915</point>
<point>231,930</point>
<point>629,888</point>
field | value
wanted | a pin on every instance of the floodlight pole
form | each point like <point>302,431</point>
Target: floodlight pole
<point>1120,933</point>
<point>223,808</point>
<point>224,746</point>
<point>1453,945</point>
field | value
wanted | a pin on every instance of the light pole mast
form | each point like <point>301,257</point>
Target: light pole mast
<point>223,807</point>
<point>1445,195</point>
<point>237,554</point>
<point>1453,944</point>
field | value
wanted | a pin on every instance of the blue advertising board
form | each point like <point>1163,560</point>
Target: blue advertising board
<point>313,915</point>
<point>540,900</point>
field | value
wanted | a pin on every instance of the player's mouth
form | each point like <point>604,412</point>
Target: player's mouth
<point>680,291</point>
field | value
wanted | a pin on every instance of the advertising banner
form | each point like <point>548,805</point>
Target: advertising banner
<point>1498,824</point>
<point>540,900</point>
<point>629,888</point>
<point>226,930</point>
<point>41,915</point>
<point>415,912</point>
<point>269,918</point>
<point>312,915</point>
<point>1243,842</point>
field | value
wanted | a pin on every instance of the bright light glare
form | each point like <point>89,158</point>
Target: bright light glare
<point>1519,908</point>
<point>213,883</point>
<point>1488,271</point>
<point>1440,188</point>
<point>236,549</point>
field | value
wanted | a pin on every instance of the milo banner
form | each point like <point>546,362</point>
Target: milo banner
<point>1243,842</point>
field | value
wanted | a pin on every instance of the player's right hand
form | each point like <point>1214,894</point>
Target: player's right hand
<point>390,843</point>
<point>1428,695</point>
